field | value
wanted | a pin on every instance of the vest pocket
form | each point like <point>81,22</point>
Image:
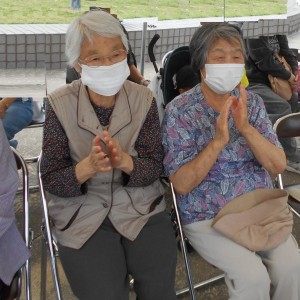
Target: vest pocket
<point>145,199</point>
<point>72,219</point>
<point>63,211</point>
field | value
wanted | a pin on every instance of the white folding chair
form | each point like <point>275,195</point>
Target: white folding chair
<point>191,286</point>
<point>49,242</point>
<point>27,232</point>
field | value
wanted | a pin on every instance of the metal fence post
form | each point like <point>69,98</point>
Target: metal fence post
<point>144,36</point>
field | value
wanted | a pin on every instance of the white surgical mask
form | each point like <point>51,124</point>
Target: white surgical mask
<point>105,80</point>
<point>223,78</point>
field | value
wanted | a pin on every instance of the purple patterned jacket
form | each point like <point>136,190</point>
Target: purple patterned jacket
<point>188,127</point>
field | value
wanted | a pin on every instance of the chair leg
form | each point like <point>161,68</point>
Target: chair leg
<point>191,287</point>
<point>183,249</point>
<point>294,211</point>
<point>200,284</point>
<point>44,272</point>
<point>43,269</point>
<point>28,280</point>
<point>55,277</point>
<point>48,242</point>
<point>188,270</point>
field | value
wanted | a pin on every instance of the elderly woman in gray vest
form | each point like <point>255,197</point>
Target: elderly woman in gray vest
<point>102,160</point>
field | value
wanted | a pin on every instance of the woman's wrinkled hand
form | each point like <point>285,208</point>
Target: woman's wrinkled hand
<point>98,159</point>
<point>103,159</point>
<point>115,153</point>
<point>222,130</point>
<point>239,110</point>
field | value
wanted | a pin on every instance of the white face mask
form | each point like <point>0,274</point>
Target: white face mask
<point>105,80</point>
<point>223,78</point>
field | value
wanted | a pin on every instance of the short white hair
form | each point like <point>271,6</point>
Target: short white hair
<point>86,27</point>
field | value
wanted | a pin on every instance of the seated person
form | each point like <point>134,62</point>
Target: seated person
<point>16,114</point>
<point>13,251</point>
<point>134,75</point>
<point>185,79</point>
<point>260,63</point>
<point>219,144</point>
<point>101,167</point>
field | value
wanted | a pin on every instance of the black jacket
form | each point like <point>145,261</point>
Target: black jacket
<point>261,60</point>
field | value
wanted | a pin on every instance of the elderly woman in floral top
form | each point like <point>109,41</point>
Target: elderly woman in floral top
<point>219,144</point>
<point>101,166</point>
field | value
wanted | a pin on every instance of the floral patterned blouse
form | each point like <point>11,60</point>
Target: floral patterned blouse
<point>188,127</point>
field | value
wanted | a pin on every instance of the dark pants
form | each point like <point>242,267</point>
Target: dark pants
<point>100,269</point>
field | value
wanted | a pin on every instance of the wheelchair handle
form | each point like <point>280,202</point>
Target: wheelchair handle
<point>153,41</point>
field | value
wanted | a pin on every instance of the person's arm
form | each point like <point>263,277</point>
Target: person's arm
<point>268,154</point>
<point>5,104</point>
<point>57,167</point>
<point>136,76</point>
<point>181,153</point>
<point>141,170</point>
<point>191,173</point>
<point>147,165</point>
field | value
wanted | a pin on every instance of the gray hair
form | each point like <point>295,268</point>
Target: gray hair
<point>85,27</point>
<point>206,36</point>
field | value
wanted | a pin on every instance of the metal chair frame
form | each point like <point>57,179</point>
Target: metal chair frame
<point>288,126</point>
<point>27,232</point>
<point>37,124</point>
<point>191,286</point>
<point>49,242</point>
<point>33,125</point>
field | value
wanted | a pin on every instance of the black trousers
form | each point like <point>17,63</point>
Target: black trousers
<point>100,269</point>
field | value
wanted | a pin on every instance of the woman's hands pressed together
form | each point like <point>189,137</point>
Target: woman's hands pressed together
<point>238,108</point>
<point>97,158</point>
<point>115,153</point>
<point>102,160</point>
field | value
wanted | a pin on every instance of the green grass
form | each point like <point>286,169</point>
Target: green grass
<point>59,12</point>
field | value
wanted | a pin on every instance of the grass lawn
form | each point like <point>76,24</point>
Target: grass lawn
<point>59,11</point>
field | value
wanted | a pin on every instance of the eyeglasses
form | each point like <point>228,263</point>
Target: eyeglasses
<point>97,61</point>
